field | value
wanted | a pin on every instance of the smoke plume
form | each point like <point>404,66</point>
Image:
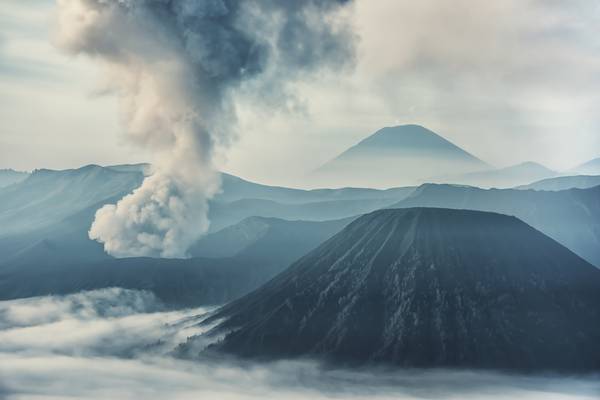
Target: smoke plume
<point>178,67</point>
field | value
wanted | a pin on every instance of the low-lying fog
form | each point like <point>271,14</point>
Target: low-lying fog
<point>115,344</point>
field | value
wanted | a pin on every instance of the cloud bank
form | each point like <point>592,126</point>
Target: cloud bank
<point>116,343</point>
<point>176,67</point>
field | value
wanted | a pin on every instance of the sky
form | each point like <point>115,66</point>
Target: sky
<point>508,81</point>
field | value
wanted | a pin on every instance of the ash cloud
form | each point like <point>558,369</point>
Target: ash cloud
<point>177,67</point>
<point>116,343</point>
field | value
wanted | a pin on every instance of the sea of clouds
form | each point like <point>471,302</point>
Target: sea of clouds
<point>118,344</point>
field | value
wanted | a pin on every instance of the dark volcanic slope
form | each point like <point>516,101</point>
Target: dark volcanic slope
<point>427,287</point>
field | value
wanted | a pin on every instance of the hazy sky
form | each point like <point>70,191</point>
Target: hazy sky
<point>509,81</point>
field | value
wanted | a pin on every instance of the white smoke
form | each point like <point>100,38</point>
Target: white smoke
<point>176,66</point>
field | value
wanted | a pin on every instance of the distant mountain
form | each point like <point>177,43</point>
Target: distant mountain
<point>234,189</point>
<point>396,156</point>
<point>564,183</point>
<point>241,199</point>
<point>10,176</point>
<point>591,167</point>
<point>226,264</point>
<point>45,218</point>
<point>260,237</point>
<point>572,217</point>
<point>63,242</point>
<point>425,288</point>
<point>177,282</point>
<point>45,249</point>
<point>48,196</point>
<point>501,178</point>
<point>226,214</point>
<point>143,168</point>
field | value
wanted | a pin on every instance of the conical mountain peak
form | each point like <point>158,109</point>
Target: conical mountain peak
<point>397,156</point>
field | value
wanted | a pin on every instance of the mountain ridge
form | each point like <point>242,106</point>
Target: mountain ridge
<point>501,178</point>
<point>563,183</point>
<point>9,176</point>
<point>571,217</point>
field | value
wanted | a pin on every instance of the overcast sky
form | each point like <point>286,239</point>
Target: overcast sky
<point>510,81</point>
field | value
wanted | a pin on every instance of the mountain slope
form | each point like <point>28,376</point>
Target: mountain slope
<point>256,236</point>
<point>226,214</point>
<point>426,288</point>
<point>591,167</point>
<point>572,217</point>
<point>242,258</point>
<point>501,178</point>
<point>63,242</point>
<point>564,183</point>
<point>235,188</point>
<point>47,196</point>
<point>395,156</point>
<point>44,220</point>
<point>10,176</point>
<point>143,168</point>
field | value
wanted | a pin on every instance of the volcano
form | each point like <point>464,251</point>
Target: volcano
<point>397,156</point>
<point>425,287</point>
